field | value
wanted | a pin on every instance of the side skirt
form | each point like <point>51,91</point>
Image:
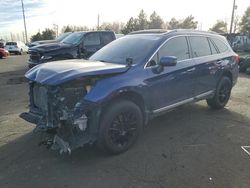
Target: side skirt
<point>193,99</point>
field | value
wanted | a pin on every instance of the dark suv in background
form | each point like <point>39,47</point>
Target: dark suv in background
<point>58,39</point>
<point>109,98</point>
<point>76,45</point>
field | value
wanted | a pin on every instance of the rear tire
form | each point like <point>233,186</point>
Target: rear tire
<point>120,125</point>
<point>222,94</point>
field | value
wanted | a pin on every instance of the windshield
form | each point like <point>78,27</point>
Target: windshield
<point>63,36</point>
<point>74,38</point>
<point>134,47</point>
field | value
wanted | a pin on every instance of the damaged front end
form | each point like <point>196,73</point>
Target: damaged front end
<point>63,112</point>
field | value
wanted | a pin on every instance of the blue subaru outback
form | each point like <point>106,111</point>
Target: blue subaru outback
<point>110,97</point>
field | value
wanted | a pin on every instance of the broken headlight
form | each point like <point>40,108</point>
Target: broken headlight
<point>70,95</point>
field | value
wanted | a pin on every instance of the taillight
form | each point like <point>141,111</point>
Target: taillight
<point>237,58</point>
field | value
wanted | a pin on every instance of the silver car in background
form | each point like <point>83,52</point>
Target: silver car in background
<point>17,47</point>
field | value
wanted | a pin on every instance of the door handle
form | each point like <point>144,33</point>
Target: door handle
<point>191,70</point>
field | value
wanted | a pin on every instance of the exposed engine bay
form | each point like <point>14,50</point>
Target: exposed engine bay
<point>62,112</point>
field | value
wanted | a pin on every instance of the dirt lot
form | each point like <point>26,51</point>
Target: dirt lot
<point>191,146</point>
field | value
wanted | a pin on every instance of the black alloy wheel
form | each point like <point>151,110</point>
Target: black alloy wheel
<point>120,126</point>
<point>222,94</point>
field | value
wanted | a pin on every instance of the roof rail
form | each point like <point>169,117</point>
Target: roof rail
<point>192,30</point>
<point>150,31</point>
<point>165,31</point>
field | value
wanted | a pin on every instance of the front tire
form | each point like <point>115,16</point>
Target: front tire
<point>120,126</point>
<point>222,94</point>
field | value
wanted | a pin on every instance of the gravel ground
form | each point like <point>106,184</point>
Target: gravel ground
<point>191,146</point>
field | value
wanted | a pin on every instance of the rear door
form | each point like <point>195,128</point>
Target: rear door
<point>205,57</point>
<point>224,57</point>
<point>173,84</point>
<point>92,43</point>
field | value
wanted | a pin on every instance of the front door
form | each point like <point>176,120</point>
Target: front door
<point>173,84</point>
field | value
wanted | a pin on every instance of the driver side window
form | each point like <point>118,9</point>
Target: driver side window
<point>177,47</point>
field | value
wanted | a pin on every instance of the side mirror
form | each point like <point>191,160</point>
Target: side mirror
<point>167,61</point>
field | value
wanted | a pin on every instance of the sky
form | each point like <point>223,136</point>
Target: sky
<point>42,14</point>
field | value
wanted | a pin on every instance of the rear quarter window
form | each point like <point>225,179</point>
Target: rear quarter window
<point>213,48</point>
<point>222,47</point>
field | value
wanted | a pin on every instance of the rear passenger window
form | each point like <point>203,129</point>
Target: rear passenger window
<point>92,39</point>
<point>175,47</point>
<point>222,47</point>
<point>200,46</point>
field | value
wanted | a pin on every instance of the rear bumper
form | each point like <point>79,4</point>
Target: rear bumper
<point>14,50</point>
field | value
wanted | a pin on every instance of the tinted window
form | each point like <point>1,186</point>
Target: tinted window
<point>222,47</point>
<point>92,39</point>
<point>107,38</point>
<point>200,46</point>
<point>74,38</point>
<point>175,47</point>
<point>11,43</point>
<point>135,47</point>
<point>212,47</point>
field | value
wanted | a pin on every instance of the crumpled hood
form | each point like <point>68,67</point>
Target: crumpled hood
<point>43,42</point>
<point>50,47</point>
<point>58,72</point>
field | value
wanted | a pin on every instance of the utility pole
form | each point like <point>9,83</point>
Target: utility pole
<point>55,27</point>
<point>232,18</point>
<point>11,36</point>
<point>23,36</point>
<point>98,22</point>
<point>25,29</point>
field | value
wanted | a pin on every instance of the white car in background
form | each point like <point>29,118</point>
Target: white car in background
<point>17,47</point>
